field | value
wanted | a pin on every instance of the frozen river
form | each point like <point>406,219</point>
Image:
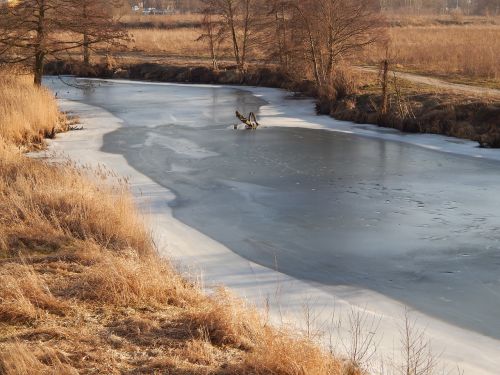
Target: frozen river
<point>416,225</point>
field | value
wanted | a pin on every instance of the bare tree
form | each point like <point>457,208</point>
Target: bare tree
<point>29,29</point>
<point>280,12</point>
<point>94,20</point>
<point>418,358</point>
<point>361,345</point>
<point>241,19</point>
<point>33,30</point>
<point>326,32</point>
<point>214,35</point>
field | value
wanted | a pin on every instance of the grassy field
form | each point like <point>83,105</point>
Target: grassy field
<point>464,50</point>
<point>82,289</point>
<point>471,52</point>
<point>180,42</point>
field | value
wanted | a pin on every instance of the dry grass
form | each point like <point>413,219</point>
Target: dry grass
<point>43,207</point>
<point>469,51</point>
<point>21,123</point>
<point>176,42</point>
<point>82,289</point>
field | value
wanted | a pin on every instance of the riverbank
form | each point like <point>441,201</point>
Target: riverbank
<point>286,298</point>
<point>82,287</point>
<point>411,108</point>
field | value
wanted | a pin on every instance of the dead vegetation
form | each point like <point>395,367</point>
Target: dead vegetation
<point>27,125</point>
<point>82,289</point>
<point>454,52</point>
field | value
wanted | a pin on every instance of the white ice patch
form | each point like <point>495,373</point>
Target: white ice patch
<point>179,146</point>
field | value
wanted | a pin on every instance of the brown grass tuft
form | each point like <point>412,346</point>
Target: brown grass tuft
<point>279,353</point>
<point>24,295</point>
<point>27,114</point>
<point>226,320</point>
<point>121,281</point>
<point>44,208</point>
<point>20,359</point>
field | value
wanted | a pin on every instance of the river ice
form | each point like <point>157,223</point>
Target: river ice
<point>370,211</point>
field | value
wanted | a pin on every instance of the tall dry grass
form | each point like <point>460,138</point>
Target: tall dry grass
<point>469,51</point>
<point>27,114</point>
<point>176,42</point>
<point>44,207</point>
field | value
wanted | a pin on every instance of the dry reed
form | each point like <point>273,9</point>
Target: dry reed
<point>27,114</point>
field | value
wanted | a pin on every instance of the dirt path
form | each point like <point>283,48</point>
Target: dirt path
<point>444,85</point>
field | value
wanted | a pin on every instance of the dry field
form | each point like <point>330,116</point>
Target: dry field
<point>82,289</point>
<point>180,42</point>
<point>466,52</point>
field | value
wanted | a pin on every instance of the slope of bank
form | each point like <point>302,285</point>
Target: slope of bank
<point>83,290</point>
<point>411,108</point>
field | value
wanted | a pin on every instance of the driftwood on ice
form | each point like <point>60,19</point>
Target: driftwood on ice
<point>250,121</point>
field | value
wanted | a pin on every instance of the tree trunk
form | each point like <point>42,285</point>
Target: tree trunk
<point>314,59</point>
<point>245,35</point>
<point>278,38</point>
<point>40,44</point>
<point>86,50</point>
<point>385,95</point>
<point>331,54</point>
<point>236,47</point>
<point>212,52</point>
<point>86,41</point>
<point>284,45</point>
<point>311,47</point>
<point>38,68</point>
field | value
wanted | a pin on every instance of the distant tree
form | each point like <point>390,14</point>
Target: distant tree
<point>94,20</point>
<point>280,14</point>
<point>326,32</point>
<point>487,7</point>
<point>241,19</point>
<point>214,35</point>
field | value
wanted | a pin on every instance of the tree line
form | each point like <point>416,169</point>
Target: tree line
<point>33,30</point>
<point>303,37</point>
